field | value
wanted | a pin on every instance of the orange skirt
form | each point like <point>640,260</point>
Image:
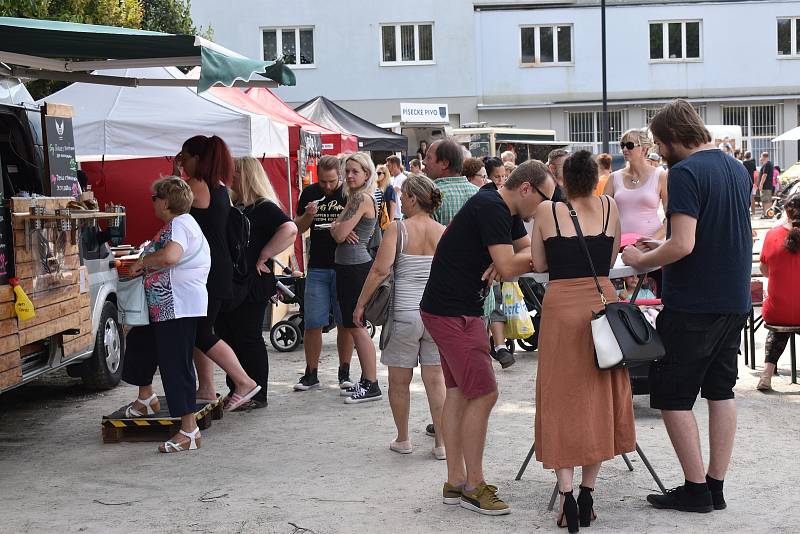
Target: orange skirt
<point>583,415</point>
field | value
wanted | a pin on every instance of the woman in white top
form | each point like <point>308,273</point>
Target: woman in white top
<point>175,266</point>
<point>639,188</point>
<point>408,341</point>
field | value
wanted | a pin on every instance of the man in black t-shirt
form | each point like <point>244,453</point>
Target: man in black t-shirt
<point>765,185</point>
<point>319,205</point>
<point>706,297</point>
<point>750,164</point>
<point>485,241</point>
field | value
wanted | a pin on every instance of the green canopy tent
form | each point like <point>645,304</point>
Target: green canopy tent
<point>67,51</point>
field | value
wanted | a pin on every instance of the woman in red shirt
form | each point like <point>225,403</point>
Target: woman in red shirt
<point>780,262</point>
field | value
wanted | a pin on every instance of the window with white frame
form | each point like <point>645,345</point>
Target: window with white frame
<point>294,45</point>
<point>407,44</point>
<point>760,124</point>
<point>675,40</point>
<point>545,44</point>
<point>585,129</point>
<point>649,113</point>
<point>789,37</point>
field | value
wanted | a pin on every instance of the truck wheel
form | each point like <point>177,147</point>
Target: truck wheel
<point>105,366</point>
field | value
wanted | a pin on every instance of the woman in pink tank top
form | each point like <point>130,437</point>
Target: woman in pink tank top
<point>639,189</point>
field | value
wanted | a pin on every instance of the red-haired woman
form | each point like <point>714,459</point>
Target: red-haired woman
<point>209,165</point>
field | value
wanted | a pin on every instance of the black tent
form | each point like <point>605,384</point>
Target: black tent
<point>370,137</point>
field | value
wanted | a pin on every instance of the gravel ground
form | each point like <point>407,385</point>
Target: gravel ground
<point>311,461</point>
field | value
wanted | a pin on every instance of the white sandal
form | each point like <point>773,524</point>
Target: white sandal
<point>194,442</point>
<point>151,406</point>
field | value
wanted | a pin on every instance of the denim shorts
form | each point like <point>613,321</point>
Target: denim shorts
<point>320,299</point>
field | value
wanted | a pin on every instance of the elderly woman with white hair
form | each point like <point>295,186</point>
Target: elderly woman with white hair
<point>639,188</point>
<point>352,231</point>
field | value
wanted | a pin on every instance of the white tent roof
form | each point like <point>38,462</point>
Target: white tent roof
<point>154,121</point>
<point>790,135</point>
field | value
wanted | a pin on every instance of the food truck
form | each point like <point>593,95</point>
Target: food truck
<point>482,140</point>
<point>54,249</point>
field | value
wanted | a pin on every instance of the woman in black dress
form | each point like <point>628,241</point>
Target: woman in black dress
<point>209,165</point>
<point>271,232</point>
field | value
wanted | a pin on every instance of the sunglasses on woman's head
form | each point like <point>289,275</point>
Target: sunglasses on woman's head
<point>630,145</point>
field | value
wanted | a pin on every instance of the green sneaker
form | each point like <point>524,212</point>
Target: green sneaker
<point>484,500</point>
<point>451,494</point>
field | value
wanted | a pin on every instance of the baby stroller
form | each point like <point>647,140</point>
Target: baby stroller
<point>287,335</point>
<point>777,208</point>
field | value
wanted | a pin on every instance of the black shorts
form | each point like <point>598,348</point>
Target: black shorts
<point>701,351</point>
<point>349,281</point>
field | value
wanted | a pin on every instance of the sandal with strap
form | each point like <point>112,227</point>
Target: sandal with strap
<point>569,512</point>
<point>586,506</point>
<point>194,442</point>
<point>151,406</point>
<point>236,400</point>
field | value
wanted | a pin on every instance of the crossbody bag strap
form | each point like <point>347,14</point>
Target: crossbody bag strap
<point>582,240</point>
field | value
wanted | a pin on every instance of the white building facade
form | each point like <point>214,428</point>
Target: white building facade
<point>535,64</point>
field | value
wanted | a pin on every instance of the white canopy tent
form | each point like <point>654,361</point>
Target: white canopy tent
<point>790,135</point>
<point>113,122</point>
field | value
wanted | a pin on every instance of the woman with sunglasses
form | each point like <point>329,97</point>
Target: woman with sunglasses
<point>639,189</point>
<point>388,193</point>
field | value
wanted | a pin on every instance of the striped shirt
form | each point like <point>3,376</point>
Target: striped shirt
<point>456,190</point>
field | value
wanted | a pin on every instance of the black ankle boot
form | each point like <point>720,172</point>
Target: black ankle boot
<point>586,506</point>
<point>569,512</point>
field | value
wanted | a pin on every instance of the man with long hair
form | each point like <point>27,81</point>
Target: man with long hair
<point>706,296</point>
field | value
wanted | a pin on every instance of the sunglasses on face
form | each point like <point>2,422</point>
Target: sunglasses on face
<point>154,198</point>
<point>381,173</point>
<point>630,145</point>
<point>545,197</point>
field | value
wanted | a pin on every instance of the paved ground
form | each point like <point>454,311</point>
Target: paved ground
<point>311,461</point>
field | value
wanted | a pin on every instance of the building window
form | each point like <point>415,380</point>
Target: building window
<point>649,113</point>
<point>789,37</point>
<point>545,45</point>
<point>294,45</point>
<point>406,44</point>
<point>585,130</point>
<point>675,40</point>
<point>760,124</point>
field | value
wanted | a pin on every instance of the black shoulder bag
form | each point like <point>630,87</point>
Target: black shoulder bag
<point>622,335</point>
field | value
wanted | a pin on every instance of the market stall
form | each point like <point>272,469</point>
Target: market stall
<point>126,137</point>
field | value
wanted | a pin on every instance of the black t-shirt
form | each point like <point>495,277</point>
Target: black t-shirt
<point>767,169</point>
<point>750,165</point>
<point>455,287</point>
<point>213,221</point>
<point>265,217</point>
<point>715,278</point>
<point>322,244</point>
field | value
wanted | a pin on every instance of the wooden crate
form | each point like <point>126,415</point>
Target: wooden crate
<point>10,361</point>
<point>78,344</point>
<point>50,328</point>
<point>11,377</point>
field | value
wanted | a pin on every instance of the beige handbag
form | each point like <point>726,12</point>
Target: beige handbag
<point>376,310</point>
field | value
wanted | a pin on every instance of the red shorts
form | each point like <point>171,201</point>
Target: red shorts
<point>464,352</point>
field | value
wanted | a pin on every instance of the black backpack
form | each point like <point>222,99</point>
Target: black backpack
<point>238,233</point>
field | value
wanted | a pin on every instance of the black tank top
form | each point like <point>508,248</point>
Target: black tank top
<point>213,221</point>
<point>566,259</point>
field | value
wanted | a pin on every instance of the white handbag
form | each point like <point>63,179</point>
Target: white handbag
<point>132,302</point>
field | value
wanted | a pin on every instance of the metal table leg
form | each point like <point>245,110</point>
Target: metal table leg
<point>793,354</point>
<point>526,462</point>
<point>553,499</point>
<point>650,468</point>
<point>745,343</point>
<point>752,338</point>
<point>627,462</point>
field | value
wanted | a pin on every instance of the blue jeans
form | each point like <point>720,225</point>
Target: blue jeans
<point>320,299</point>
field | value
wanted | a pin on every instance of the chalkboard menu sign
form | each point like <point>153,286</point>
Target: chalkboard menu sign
<point>62,168</point>
<point>5,231</point>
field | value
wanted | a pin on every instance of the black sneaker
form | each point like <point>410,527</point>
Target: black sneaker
<point>505,357</point>
<point>307,382</point>
<point>681,500</point>
<point>344,376</point>
<point>365,391</point>
<point>430,430</point>
<point>718,498</point>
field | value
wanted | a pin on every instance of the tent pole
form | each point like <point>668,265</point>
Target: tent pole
<point>289,183</point>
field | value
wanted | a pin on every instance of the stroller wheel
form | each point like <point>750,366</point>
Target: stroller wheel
<point>285,336</point>
<point>370,329</point>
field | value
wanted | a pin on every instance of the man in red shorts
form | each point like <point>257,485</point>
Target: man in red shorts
<point>486,240</point>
